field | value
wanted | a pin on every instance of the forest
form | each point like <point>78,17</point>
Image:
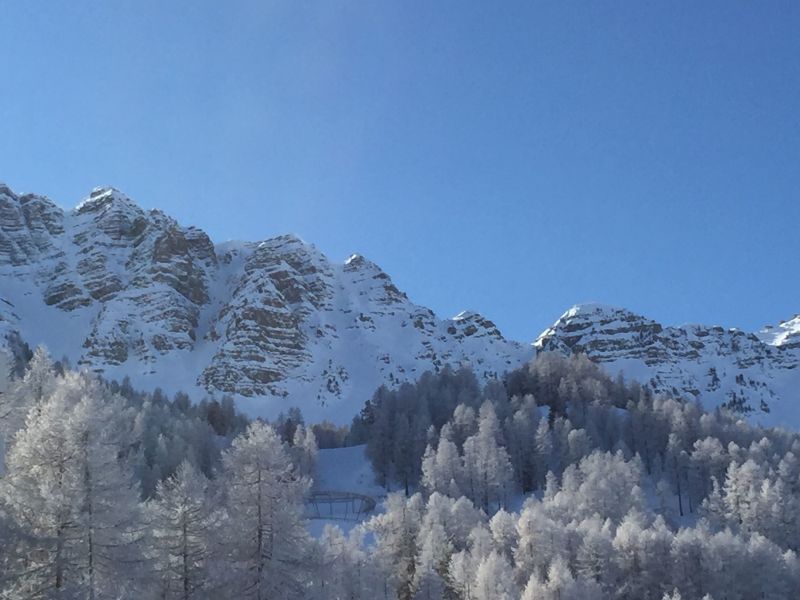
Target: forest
<point>557,482</point>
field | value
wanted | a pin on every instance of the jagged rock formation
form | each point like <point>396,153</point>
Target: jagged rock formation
<point>752,373</point>
<point>125,291</point>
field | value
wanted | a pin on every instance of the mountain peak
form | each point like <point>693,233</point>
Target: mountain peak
<point>354,259</point>
<point>286,238</point>
<point>594,309</point>
<point>6,190</point>
<point>102,198</point>
<point>467,315</point>
<point>359,262</point>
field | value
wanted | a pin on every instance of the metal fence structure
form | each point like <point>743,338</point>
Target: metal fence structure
<point>342,506</point>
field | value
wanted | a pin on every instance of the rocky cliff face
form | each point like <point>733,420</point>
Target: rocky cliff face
<point>129,292</point>
<point>756,374</point>
<point>125,291</point>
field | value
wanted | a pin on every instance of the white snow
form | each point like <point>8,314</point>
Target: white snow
<point>345,470</point>
<point>783,333</point>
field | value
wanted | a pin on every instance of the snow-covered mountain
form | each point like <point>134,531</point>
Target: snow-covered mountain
<point>127,291</point>
<point>756,373</point>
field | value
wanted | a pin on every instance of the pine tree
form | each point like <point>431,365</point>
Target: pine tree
<point>494,579</point>
<point>39,492</point>
<point>183,522</point>
<point>520,434</point>
<point>486,464</point>
<point>304,451</point>
<point>543,441</point>
<point>266,538</point>
<point>442,470</point>
<point>20,396</point>
<point>68,486</point>
<point>397,532</point>
<point>503,526</point>
<point>381,439</point>
<point>111,522</point>
<point>431,568</point>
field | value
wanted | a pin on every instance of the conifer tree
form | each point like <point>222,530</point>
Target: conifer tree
<point>183,522</point>
<point>266,539</point>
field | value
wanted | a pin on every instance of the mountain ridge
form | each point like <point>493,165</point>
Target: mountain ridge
<point>126,291</point>
<point>132,292</point>
<point>753,373</point>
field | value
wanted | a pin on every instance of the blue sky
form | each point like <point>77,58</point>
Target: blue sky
<point>514,158</point>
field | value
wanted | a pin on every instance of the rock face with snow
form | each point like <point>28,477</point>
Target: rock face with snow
<point>756,374</point>
<point>127,291</point>
<point>130,292</point>
<point>141,275</point>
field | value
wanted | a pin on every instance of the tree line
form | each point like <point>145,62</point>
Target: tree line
<point>556,483</point>
<point>627,494</point>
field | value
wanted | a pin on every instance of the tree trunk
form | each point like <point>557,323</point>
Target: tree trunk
<point>185,561</point>
<point>260,537</point>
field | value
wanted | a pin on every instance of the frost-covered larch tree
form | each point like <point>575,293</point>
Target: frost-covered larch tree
<point>30,391</point>
<point>266,539</point>
<point>486,463</point>
<point>494,579</point>
<point>397,534</point>
<point>68,484</point>
<point>442,470</point>
<point>304,451</point>
<point>183,522</point>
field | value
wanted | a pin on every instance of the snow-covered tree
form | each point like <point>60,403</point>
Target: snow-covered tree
<point>36,385</point>
<point>183,522</point>
<point>487,468</point>
<point>343,568</point>
<point>433,558</point>
<point>601,483</point>
<point>397,535</point>
<point>541,540</point>
<point>5,383</point>
<point>503,526</point>
<point>442,470</point>
<point>69,486</point>
<point>594,559</point>
<point>465,424</point>
<point>521,441</point>
<point>304,451</point>
<point>266,539</point>
<point>494,579</point>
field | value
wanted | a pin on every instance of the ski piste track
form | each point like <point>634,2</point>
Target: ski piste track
<point>342,506</point>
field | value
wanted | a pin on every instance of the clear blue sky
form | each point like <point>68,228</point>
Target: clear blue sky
<point>510,157</point>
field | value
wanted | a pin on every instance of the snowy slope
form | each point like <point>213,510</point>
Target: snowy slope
<point>785,335</point>
<point>128,292</point>
<point>344,471</point>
